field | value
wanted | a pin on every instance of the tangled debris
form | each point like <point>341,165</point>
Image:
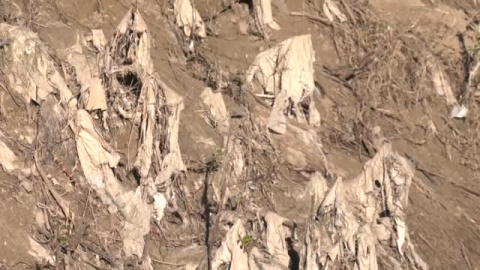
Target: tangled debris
<point>440,81</point>
<point>263,9</point>
<point>238,250</point>
<point>138,90</point>
<point>332,11</point>
<point>188,19</point>
<point>122,75</point>
<point>88,77</point>
<point>215,108</point>
<point>30,70</point>
<point>10,162</point>
<point>285,74</point>
<point>359,219</point>
<point>358,223</point>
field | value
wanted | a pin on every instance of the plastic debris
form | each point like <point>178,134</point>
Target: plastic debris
<point>231,251</point>
<point>216,110</point>
<point>264,13</point>
<point>275,239</point>
<point>440,81</point>
<point>160,106</point>
<point>159,204</point>
<point>459,112</point>
<point>97,159</point>
<point>286,72</point>
<point>225,183</point>
<point>8,160</point>
<point>366,213</point>
<point>332,11</point>
<point>40,253</point>
<point>30,70</point>
<point>188,19</point>
<point>88,77</point>
<point>98,39</point>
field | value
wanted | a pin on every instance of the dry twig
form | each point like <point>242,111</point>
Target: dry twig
<point>58,199</point>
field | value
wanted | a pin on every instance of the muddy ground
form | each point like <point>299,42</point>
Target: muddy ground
<point>370,74</point>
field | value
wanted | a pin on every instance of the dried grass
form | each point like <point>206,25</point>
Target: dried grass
<point>385,68</point>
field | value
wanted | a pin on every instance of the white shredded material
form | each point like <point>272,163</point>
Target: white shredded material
<point>30,70</point>
<point>265,16</point>
<point>216,110</point>
<point>286,71</point>
<point>188,19</point>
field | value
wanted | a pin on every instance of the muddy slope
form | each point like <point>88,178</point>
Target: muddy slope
<point>382,76</point>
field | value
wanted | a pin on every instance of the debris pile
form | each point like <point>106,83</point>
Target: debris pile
<point>239,250</point>
<point>284,74</point>
<point>358,223</point>
<point>155,108</point>
<point>214,106</point>
<point>188,18</point>
<point>271,198</point>
<point>31,72</point>
<point>121,84</point>
<point>359,219</point>
<point>263,10</point>
<point>332,11</point>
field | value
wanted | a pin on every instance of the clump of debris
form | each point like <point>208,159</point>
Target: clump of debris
<point>255,187</point>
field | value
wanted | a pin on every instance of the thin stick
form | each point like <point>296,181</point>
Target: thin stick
<point>425,240</point>
<point>467,259</point>
<point>60,201</point>
<point>312,17</point>
<point>167,263</point>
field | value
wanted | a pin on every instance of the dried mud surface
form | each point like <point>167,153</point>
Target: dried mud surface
<point>371,78</point>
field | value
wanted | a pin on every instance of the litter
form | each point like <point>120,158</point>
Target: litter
<point>87,76</point>
<point>332,11</point>
<point>159,204</point>
<point>40,253</point>
<point>97,159</point>
<point>459,112</point>
<point>264,13</point>
<point>231,251</point>
<point>440,80</point>
<point>10,162</point>
<point>354,211</point>
<point>30,70</point>
<point>188,19</point>
<point>159,106</point>
<point>275,238</point>
<point>216,110</point>
<point>286,71</point>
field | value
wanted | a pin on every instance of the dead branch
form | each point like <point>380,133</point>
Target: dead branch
<point>104,255</point>
<point>467,258</point>
<point>58,199</point>
<point>312,17</point>
<point>167,263</point>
